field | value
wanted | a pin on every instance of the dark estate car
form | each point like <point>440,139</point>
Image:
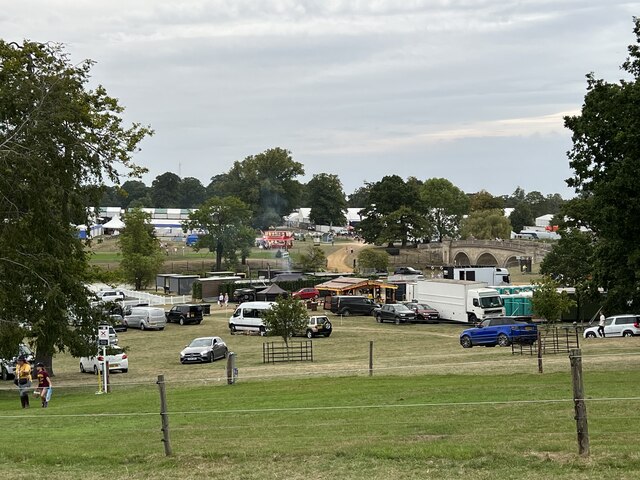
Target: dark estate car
<point>501,331</point>
<point>350,305</point>
<point>394,312</point>
<point>424,312</point>
<point>185,314</point>
<point>407,271</point>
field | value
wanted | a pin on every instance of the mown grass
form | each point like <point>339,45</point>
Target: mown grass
<point>431,410</point>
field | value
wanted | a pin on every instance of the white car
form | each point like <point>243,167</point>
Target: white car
<point>617,326</point>
<point>110,295</point>
<point>118,361</point>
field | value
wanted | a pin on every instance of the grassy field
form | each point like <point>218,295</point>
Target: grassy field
<point>431,410</point>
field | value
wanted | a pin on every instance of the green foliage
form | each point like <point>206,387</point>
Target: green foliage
<point>605,162</point>
<point>445,204</point>
<point>360,197</point>
<point>286,317</point>
<point>266,183</point>
<point>521,216</point>
<point>59,143</point>
<point>373,259</point>
<point>569,260</point>
<point>165,190</point>
<point>313,260</point>
<point>486,225</point>
<point>394,213</point>
<point>483,200</point>
<point>327,200</point>
<point>224,224</point>
<point>141,254</point>
<point>548,303</point>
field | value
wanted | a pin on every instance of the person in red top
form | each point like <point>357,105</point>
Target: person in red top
<point>45,387</point>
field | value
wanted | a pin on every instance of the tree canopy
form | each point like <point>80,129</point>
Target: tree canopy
<point>141,254</point>
<point>223,222</point>
<point>446,204</point>
<point>605,158</point>
<point>327,200</point>
<point>59,143</point>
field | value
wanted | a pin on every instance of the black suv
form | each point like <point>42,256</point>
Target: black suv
<point>185,314</point>
<point>350,304</point>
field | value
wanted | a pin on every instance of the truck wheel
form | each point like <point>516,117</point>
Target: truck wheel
<point>465,341</point>
<point>472,318</point>
<point>627,333</point>
<point>378,318</point>
<point>503,340</point>
<point>5,374</point>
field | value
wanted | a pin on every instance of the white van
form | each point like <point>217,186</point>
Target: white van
<point>248,316</point>
<point>145,318</point>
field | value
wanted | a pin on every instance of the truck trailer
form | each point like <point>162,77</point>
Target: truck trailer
<point>492,275</point>
<point>459,300</point>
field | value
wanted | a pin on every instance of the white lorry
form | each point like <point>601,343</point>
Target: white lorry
<point>459,300</point>
<point>492,275</point>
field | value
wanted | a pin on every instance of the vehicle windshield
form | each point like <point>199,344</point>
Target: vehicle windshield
<point>200,342</point>
<point>402,308</point>
<point>490,302</point>
<point>423,306</point>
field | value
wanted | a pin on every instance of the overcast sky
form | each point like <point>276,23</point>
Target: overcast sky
<point>470,90</point>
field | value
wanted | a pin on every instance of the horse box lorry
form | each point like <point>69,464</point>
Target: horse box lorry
<point>459,300</point>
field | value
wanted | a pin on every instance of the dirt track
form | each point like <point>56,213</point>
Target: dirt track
<point>342,259</point>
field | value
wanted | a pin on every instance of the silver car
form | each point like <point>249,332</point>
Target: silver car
<point>617,326</point>
<point>204,349</point>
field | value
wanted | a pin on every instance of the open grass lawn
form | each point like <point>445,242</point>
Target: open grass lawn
<point>431,410</point>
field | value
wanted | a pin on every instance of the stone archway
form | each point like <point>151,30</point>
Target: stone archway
<point>512,262</point>
<point>461,258</point>
<point>487,259</point>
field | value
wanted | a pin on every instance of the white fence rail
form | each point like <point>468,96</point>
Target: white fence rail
<point>151,299</point>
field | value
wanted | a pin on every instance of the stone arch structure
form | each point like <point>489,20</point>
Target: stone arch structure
<point>488,259</point>
<point>512,262</point>
<point>461,258</point>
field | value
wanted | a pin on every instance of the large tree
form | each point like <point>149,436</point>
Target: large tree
<point>327,200</point>
<point>141,254</point>
<point>266,183</point>
<point>521,216</point>
<point>165,191</point>
<point>446,204</point>
<point>222,221</point>
<point>394,213</point>
<point>59,143</point>
<point>605,159</point>
<point>192,193</point>
<point>486,225</point>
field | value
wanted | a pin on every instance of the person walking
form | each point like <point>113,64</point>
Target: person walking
<point>45,387</point>
<point>601,325</point>
<point>226,299</point>
<point>23,380</point>
<point>221,300</point>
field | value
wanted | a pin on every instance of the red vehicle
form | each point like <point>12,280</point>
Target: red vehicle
<point>306,293</point>
<point>424,313</point>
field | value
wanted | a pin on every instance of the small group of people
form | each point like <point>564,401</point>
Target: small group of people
<point>23,382</point>
<point>223,300</point>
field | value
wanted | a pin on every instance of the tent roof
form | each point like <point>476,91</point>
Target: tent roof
<point>115,223</point>
<point>272,289</point>
<point>341,284</point>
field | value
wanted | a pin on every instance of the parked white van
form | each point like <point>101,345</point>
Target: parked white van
<point>145,318</point>
<point>248,316</point>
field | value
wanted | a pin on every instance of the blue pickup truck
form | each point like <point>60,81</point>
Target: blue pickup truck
<point>501,331</point>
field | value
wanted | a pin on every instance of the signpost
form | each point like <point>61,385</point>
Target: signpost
<point>103,341</point>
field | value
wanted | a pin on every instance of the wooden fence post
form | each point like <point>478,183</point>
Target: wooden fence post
<point>575,357</point>
<point>164,416</point>
<point>539,352</point>
<point>371,358</point>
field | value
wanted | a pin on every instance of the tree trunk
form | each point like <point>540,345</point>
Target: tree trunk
<point>219,250</point>
<point>46,359</point>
